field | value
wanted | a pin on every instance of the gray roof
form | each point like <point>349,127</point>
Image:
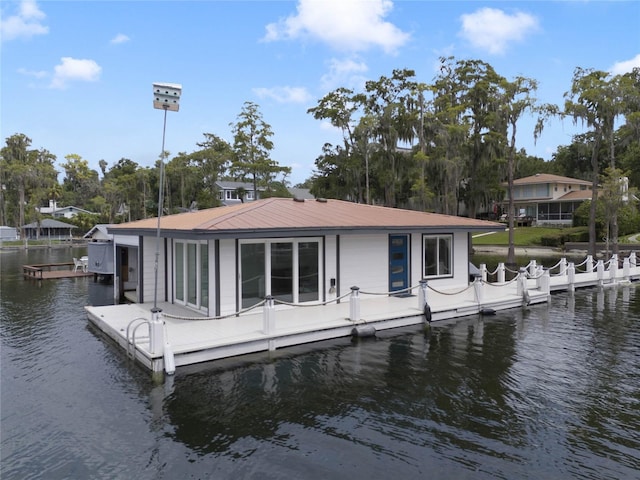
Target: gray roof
<point>49,223</point>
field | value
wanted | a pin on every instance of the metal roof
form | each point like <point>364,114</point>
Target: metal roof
<point>280,216</point>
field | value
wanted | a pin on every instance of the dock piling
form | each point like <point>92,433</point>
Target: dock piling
<point>354,304</point>
<point>268,316</point>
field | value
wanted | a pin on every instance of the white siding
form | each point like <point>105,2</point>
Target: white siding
<point>148,273</point>
<point>330,264</point>
<point>364,263</point>
<point>228,276</point>
<point>416,260</point>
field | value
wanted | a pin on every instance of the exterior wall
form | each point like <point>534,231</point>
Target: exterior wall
<point>330,265</point>
<point>228,276</point>
<point>148,273</point>
<point>364,263</point>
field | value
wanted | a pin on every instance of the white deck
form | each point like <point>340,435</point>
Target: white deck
<point>195,339</point>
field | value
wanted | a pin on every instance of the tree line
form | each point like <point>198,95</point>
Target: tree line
<point>448,146</point>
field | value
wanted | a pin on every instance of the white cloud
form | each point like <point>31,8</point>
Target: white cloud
<point>344,73</point>
<point>284,94</point>
<point>493,30</point>
<point>73,69</point>
<point>25,24</point>
<point>33,73</point>
<point>120,38</point>
<point>620,68</point>
<point>347,25</point>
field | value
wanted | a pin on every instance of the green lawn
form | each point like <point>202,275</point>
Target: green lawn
<point>523,236</point>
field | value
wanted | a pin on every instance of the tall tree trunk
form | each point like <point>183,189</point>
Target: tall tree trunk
<point>594,196</point>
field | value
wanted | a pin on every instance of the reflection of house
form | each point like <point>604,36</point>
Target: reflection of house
<point>62,212</point>
<point>48,229</point>
<point>221,260</point>
<point>548,199</point>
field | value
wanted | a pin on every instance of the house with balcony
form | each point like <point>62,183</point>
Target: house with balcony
<point>62,212</point>
<point>548,199</point>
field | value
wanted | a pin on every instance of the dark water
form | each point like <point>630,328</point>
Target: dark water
<point>547,392</point>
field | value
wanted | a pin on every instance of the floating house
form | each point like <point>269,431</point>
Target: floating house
<point>213,273</point>
<point>221,260</point>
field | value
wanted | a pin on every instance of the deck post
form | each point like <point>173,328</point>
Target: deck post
<point>571,276</point>
<point>532,268</point>
<point>613,267</point>
<point>626,267</point>
<point>522,285</point>
<point>589,264</point>
<point>477,288</point>
<point>483,271</point>
<point>501,272</point>
<point>156,332</point>
<point>354,304</point>
<point>268,315</point>
<point>600,272</point>
<point>563,266</point>
<point>545,282</point>
<point>632,259</point>
<point>422,294</point>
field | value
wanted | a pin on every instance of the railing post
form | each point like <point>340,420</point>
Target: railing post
<point>477,287</point>
<point>589,265</point>
<point>545,282</point>
<point>532,268</point>
<point>354,304</point>
<point>613,267</point>
<point>626,268</point>
<point>563,266</point>
<point>522,278</point>
<point>600,272</point>
<point>571,276</point>
<point>156,332</point>
<point>422,295</point>
<point>483,271</point>
<point>501,272</point>
<point>632,259</point>
<point>268,315</point>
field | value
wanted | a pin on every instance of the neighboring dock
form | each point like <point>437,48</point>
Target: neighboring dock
<point>51,271</point>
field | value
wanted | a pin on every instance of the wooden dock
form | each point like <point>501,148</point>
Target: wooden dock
<point>50,271</point>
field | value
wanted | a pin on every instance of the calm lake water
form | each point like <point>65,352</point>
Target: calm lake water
<point>547,392</point>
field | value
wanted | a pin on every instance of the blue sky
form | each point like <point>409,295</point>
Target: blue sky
<point>76,76</point>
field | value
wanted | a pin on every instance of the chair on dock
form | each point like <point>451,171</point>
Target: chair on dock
<point>77,264</point>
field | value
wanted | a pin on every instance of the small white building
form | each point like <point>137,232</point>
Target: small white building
<point>218,261</point>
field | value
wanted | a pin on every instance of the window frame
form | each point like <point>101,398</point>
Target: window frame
<point>449,238</point>
<point>295,241</point>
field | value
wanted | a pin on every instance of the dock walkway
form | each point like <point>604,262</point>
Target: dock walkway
<point>51,271</point>
<point>178,336</point>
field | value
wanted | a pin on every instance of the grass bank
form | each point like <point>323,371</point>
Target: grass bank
<point>522,236</point>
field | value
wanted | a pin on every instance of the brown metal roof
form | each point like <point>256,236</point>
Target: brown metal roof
<point>289,215</point>
<point>549,178</point>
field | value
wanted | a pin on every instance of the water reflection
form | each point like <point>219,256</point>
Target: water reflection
<point>547,391</point>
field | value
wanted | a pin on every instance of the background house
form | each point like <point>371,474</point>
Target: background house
<point>62,212</point>
<point>48,229</point>
<point>548,199</point>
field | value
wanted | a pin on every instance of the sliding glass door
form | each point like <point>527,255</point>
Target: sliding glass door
<point>191,266</point>
<point>287,269</point>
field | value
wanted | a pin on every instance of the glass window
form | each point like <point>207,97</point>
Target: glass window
<point>192,274</point>
<point>438,259</point>
<point>204,280</point>
<point>252,268</point>
<point>180,271</point>
<point>308,271</point>
<point>282,271</point>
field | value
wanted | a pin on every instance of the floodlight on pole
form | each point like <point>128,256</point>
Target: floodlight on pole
<point>166,96</point>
